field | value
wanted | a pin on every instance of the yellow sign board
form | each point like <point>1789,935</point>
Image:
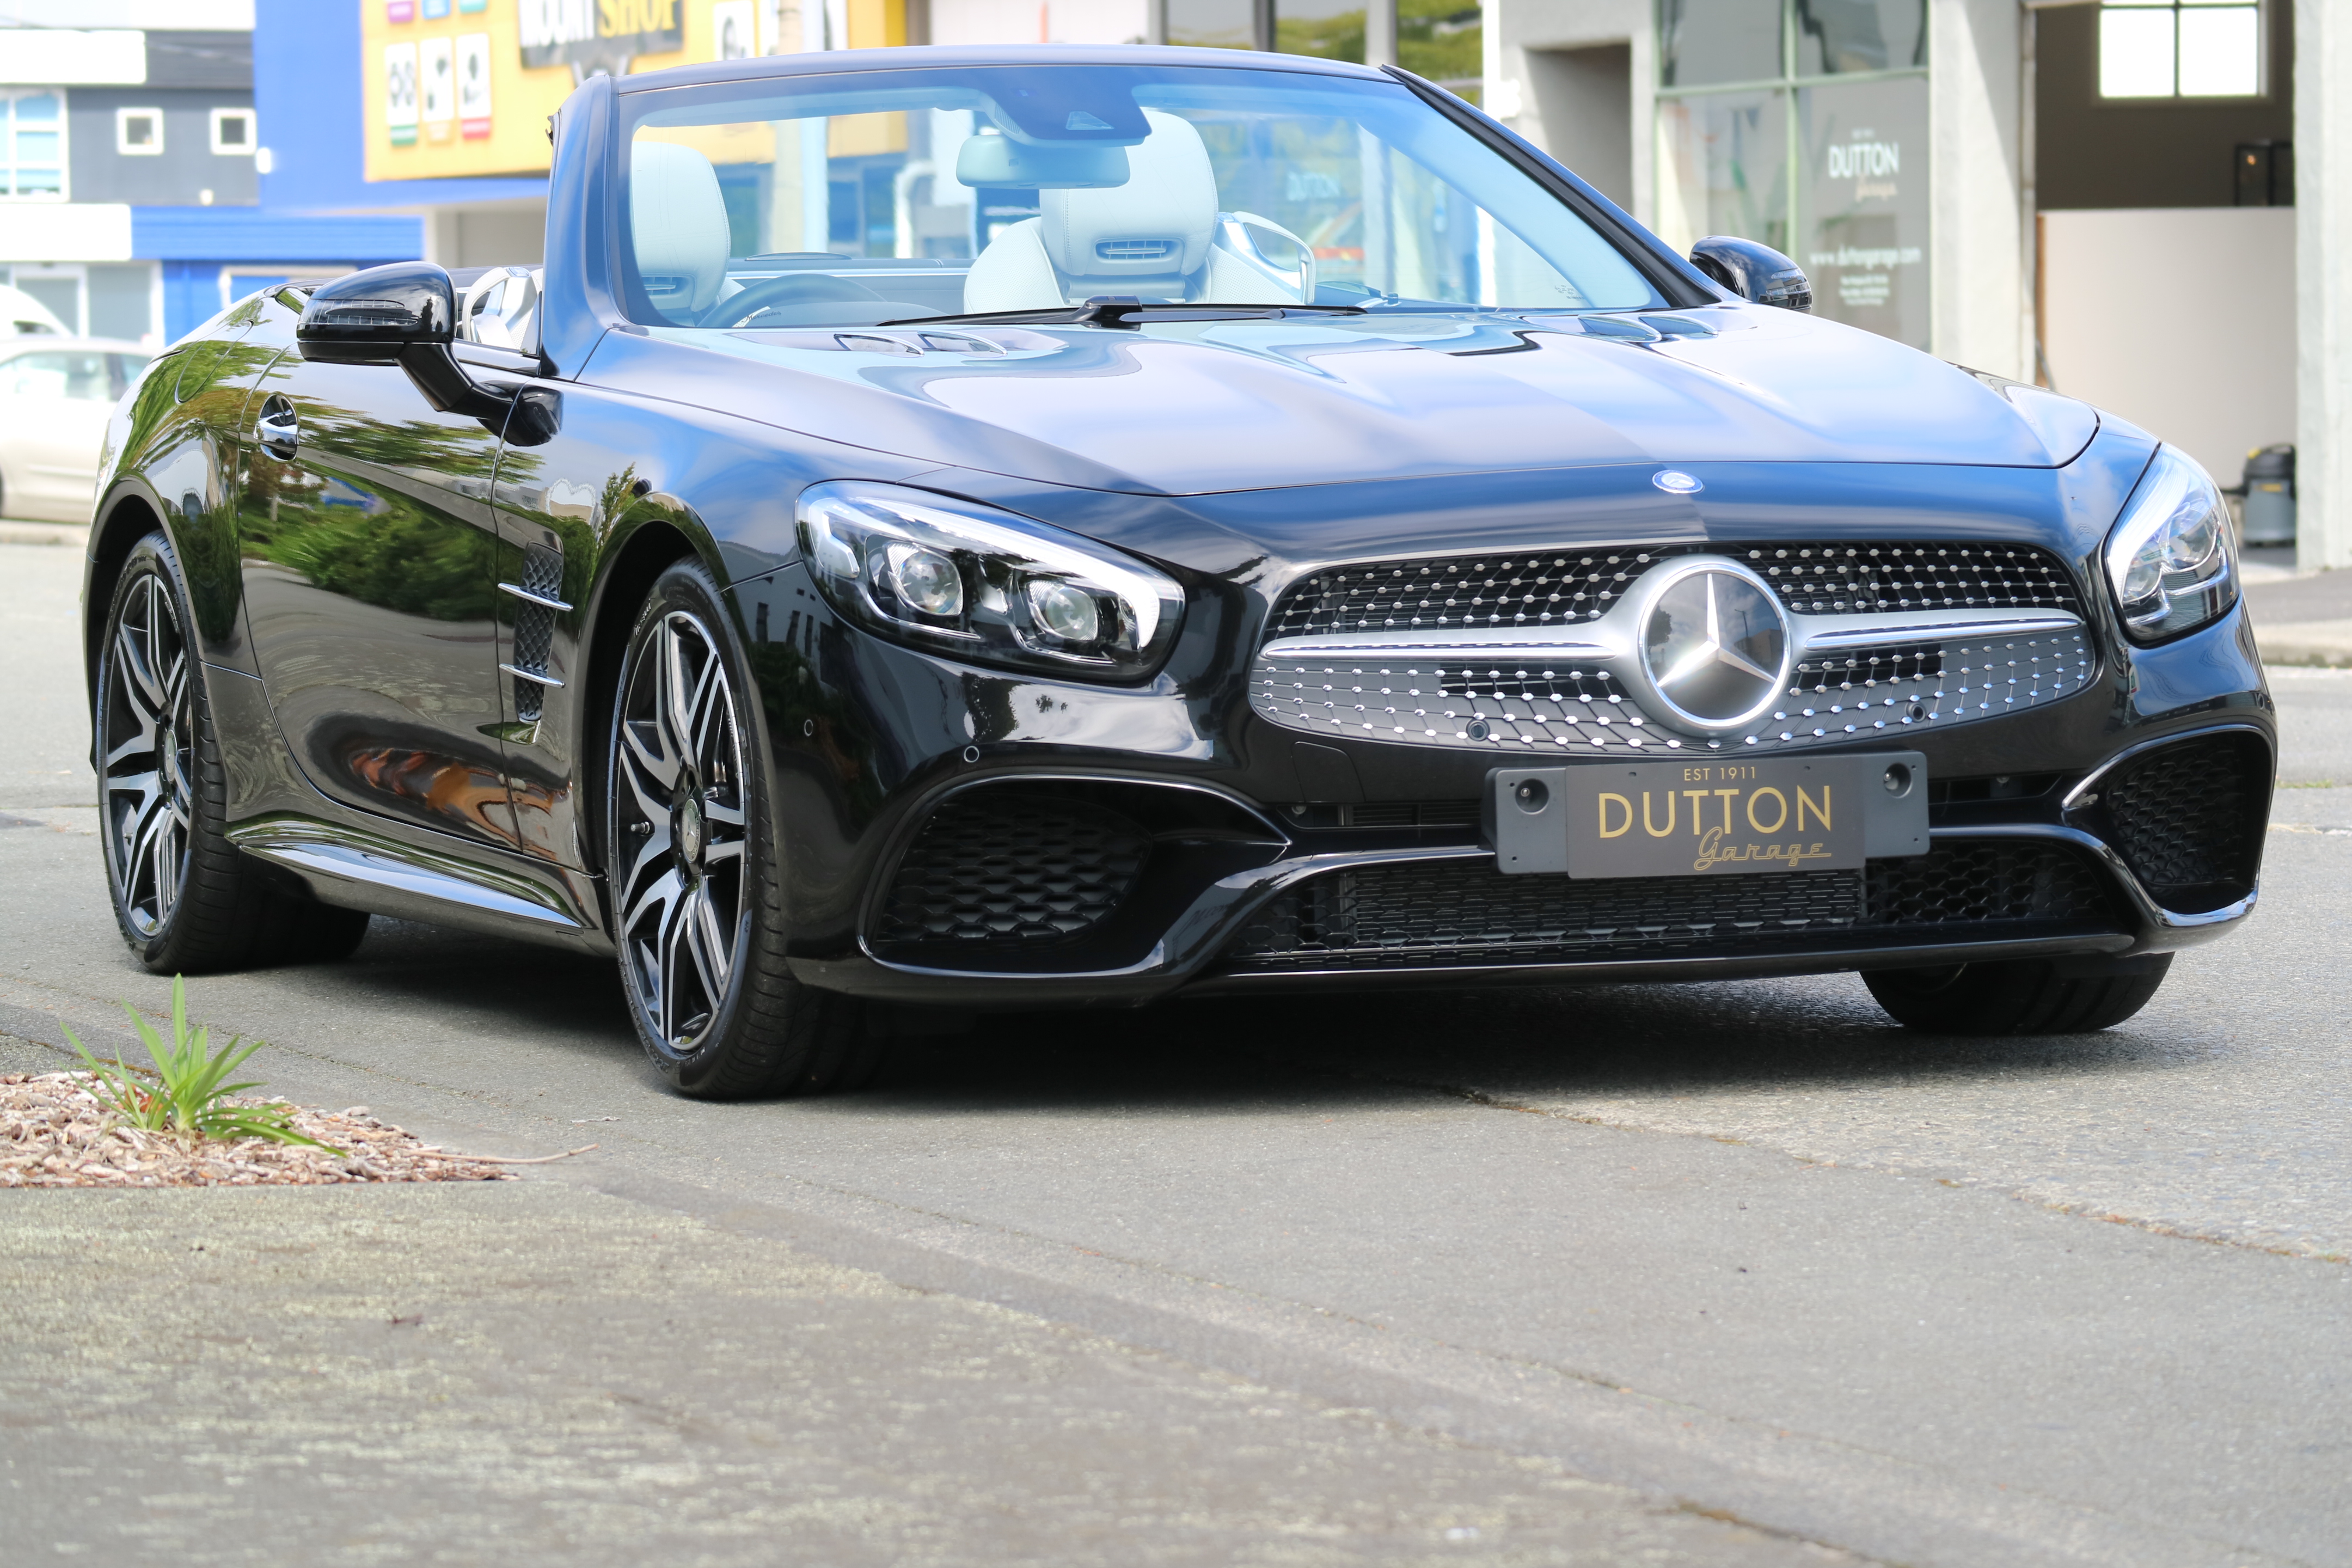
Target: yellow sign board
<point>459,88</point>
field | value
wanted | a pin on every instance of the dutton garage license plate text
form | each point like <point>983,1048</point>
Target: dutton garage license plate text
<point>1701,816</point>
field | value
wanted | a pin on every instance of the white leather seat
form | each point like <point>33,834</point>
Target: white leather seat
<point>677,221</point>
<point>1152,238</point>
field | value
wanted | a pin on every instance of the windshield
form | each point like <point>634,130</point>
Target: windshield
<point>850,200</point>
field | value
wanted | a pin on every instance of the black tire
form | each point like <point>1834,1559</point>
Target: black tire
<point>696,884</point>
<point>2020,996</point>
<point>184,898</point>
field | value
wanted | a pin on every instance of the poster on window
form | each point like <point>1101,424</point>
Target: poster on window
<point>474,85</point>
<point>1863,209</point>
<point>400,93</point>
<point>437,86</point>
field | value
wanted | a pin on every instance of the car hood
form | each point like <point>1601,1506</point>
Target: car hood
<point>1197,407</point>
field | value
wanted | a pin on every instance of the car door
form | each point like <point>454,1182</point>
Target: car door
<point>368,552</point>
<point>54,423</point>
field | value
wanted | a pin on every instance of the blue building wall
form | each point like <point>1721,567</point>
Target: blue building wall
<point>309,82</point>
<point>193,243</point>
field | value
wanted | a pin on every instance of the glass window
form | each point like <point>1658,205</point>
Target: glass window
<point>1212,24</point>
<point>1836,37</point>
<point>139,132</point>
<point>1724,168</point>
<point>232,132</point>
<point>1828,163</point>
<point>950,190</point>
<point>1703,41</point>
<point>33,146</point>
<point>2180,48</point>
<point>76,375</point>
<point>1863,204</point>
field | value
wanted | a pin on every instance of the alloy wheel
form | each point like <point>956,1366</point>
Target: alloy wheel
<point>679,825</point>
<point>148,736</point>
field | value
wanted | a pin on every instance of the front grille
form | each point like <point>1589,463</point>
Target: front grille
<point>1528,707</point>
<point>1562,587</point>
<point>1860,579</point>
<point>1475,593</point>
<point>1464,913</point>
<point>2189,818</point>
<point>1009,871</point>
<point>1533,709</point>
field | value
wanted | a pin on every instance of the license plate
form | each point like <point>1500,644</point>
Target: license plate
<point>1711,816</point>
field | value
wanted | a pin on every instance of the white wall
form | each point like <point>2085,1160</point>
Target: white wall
<point>2323,194</point>
<point>1981,309</point>
<point>1535,92</point>
<point>1038,21</point>
<point>2181,320</point>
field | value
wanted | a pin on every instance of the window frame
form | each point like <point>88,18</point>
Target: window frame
<point>124,146</point>
<point>2174,9</point>
<point>252,130</point>
<point>64,193</point>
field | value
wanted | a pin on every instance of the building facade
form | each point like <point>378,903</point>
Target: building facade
<point>2024,186</point>
<point>129,185</point>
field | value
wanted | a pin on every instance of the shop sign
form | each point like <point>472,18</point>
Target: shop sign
<point>594,35</point>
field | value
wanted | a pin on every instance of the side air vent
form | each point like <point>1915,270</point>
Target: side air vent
<point>538,603</point>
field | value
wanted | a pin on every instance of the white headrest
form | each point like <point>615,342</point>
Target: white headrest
<point>677,221</point>
<point>1157,223</point>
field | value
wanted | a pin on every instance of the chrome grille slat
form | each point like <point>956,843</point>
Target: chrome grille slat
<point>1464,653</point>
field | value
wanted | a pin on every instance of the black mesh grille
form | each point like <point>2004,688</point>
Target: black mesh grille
<point>534,626</point>
<point>1012,871</point>
<point>2190,819</point>
<point>1561,588</point>
<point>1443,914</point>
<point>1859,579</point>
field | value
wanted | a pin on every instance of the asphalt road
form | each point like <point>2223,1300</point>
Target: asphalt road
<point>1747,1250</point>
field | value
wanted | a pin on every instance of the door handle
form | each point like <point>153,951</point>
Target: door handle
<point>280,431</point>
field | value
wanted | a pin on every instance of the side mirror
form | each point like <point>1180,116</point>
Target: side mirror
<point>403,314</point>
<point>1755,272</point>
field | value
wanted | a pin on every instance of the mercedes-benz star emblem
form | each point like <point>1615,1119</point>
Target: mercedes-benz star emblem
<point>1714,645</point>
<point>1674,482</point>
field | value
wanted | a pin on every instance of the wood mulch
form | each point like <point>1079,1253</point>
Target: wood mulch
<point>55,1133</point>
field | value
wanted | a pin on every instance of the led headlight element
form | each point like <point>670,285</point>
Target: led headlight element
<point>2171,561</point>
<point>985,586</point>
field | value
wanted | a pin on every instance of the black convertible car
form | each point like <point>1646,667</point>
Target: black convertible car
<point>1071,527</point>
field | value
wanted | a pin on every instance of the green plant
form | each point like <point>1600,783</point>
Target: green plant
<point>190,1084</point>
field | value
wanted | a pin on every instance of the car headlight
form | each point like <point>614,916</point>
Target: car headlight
<point>984,586</point>
<point>2170,560</point>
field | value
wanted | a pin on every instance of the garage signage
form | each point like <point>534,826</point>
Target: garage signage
<point>1707,816</point>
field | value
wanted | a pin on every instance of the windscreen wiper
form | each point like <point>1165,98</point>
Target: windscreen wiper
<point>1120,311</point>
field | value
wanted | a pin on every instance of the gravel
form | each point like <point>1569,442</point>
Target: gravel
<point>55,1133</point>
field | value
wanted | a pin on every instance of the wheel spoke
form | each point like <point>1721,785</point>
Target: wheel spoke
<point>678,921</point>
<point>139,682</point>
<point>674,696</point>
<point>712,949</point>
<point>659,766</point>
<point>653,853</point>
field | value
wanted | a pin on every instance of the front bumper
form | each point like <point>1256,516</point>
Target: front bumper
<point>1235,824</point>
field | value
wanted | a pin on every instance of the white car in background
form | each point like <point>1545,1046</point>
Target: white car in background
<point>54,396</point>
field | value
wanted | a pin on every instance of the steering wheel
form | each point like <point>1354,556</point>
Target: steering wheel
<point>792,289</point>
<point>1232,238</point>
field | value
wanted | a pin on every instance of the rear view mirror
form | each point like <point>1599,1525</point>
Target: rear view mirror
<point>1755,272</point>
<point>989,160</point>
